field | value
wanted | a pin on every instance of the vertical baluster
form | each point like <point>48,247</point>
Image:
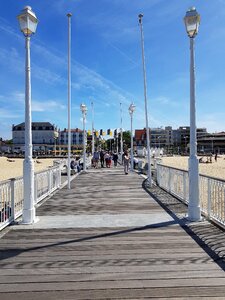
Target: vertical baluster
<point>220,200</point>
<point>36,188</point>
<point>184,186</point>
<point>12,200</point>
<point>169,181</point>
<point>49,182</point>
<point>209,202</point>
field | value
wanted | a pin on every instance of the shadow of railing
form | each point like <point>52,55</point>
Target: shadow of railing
<point>207,235</point>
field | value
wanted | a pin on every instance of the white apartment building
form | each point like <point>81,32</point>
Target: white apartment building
<point>42,133</point>
<point>76,137</point>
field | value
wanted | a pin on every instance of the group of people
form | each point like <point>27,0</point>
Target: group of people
<point>105,158</point>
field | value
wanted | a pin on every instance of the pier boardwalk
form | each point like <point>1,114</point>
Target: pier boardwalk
<point>110,237</point>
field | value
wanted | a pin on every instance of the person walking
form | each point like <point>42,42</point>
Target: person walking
<point>115,159</point>
<point>95,159</point>
<point>107,159</point>
<point>216,156</point>
<point>102,158</point>
<point>126,160</point>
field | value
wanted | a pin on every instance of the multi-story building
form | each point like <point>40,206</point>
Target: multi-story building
<point>76,137</point>
<point>170,139</point>
<point>212,142</point>
<point>159,137</point>
<point>42,133</point>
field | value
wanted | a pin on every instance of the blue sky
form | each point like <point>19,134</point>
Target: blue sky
<point>107,65</point>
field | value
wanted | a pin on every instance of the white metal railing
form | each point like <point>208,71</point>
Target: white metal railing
<point>45,183</point>
<point>211,191</point>
<point>11,193</point>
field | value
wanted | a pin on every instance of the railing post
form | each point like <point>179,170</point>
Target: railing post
<point>59,177</point>
<point>169,180</point>
<point>157,174</point>
<point>209,200</point>
<point>184,186</point>
<point>35,188</point>
<point>49,181</point>
<point>12,183</point>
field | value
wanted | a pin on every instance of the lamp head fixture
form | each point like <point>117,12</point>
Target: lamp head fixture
<point>192,21</point>
<point>83,108</point>
<point>140,16</point>
<point>28,21</point>
<point>131,108</point>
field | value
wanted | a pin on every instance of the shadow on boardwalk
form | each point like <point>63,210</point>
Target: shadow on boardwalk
<point>207,235</point>
<point>110,237</point>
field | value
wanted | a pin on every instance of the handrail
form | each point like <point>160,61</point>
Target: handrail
<point>203,175</point>
<point>211,191</point>
<point>11,193</point>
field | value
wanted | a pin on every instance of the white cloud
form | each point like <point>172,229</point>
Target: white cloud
<point>8,114</point>
<point>47,106</point>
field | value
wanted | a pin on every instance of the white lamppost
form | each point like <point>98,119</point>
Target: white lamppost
<point>28,24</point>
<point>69,15</point>
<point>83,109</point>
<point>131,111</point>
<point>159,137</point>
<point>93,136</point>
<point>121,133</point>
<point>146,105</point>
<point>192,21</point>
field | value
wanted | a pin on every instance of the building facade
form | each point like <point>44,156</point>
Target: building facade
<point>46,137</point>
<point>172,140</point>
<point>76,137</point>
<point>212,143</point>
<point>42,133</point>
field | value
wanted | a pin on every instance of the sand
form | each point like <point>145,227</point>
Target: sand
<point>13,167</point>
<point>214,169</point>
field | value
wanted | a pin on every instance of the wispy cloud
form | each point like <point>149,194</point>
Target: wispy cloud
<point>47,106</point>
<point>163,100</point>
<point>8,114</point>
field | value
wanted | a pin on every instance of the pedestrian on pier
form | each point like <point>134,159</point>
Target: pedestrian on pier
<point>102,158</point>
<point>95,159</point>
<point>126,160</point>
<point>115,159</point>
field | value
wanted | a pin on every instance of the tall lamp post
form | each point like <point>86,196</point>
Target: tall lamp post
<point>131,111</point>
<point>83,109</point>
<point>121,132</point>
<point>28,24</point>
<point>93,137</point>
<point>140,16</point>
<point>159,137</point>
<point>69,15</point>
<point>192,21</point>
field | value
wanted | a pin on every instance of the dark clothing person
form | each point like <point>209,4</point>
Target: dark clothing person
<point>115,159</point>
<point>102,159</point>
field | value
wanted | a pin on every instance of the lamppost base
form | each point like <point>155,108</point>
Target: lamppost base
<point>194,214</point>
<point>29,217</point>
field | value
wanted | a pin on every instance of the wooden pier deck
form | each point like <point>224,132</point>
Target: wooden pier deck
<point>111,237</point>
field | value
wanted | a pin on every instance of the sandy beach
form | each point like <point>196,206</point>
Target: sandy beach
<point>14,167</point>
<point>11,168</point>
<point>214,169</point>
